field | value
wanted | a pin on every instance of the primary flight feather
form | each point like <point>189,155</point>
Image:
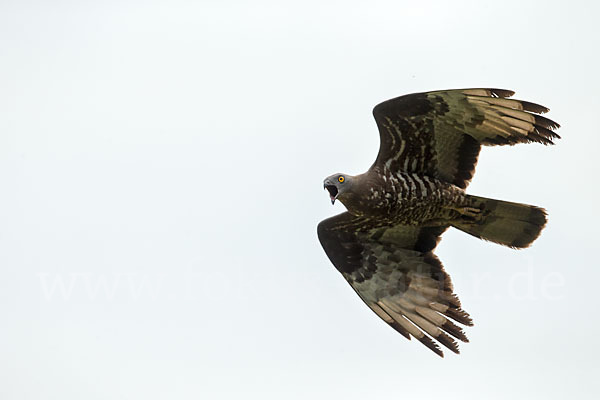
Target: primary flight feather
<point>397,210</point>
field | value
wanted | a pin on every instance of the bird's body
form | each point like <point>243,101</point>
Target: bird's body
<point>398,209</point>
<point>404,198</point>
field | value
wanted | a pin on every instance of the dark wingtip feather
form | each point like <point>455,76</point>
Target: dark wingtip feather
<point>455,331</point>
<point>536,108</point>
<point>502,93</point>
<point>536,137</point>
<point>400,330</point>
<point>426,340</point>
<point>546,122</point>
<point>451,298</point>
<point>546,133</point>
<point>542,135</point>
<point>448,342</point>
<point>459,315</point>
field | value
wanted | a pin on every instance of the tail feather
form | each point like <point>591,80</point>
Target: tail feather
<point>510,224</point>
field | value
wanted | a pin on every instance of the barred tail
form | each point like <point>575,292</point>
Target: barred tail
<point>510,224</point>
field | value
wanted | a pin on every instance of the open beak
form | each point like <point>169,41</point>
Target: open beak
<point>333,192</point>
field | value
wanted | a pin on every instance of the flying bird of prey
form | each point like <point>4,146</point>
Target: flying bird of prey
<point>397,210</point>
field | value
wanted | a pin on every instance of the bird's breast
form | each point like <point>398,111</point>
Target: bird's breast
<point>405,198</point>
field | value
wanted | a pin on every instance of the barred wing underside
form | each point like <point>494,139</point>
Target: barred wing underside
<point>440,133</point>
<point>396,274</point>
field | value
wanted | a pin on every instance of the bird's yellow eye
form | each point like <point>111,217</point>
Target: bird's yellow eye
<point>341,179</point>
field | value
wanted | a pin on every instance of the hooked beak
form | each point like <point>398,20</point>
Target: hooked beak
<point>333,191</point>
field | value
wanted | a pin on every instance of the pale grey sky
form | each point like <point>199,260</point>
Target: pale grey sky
<point>161,169</point>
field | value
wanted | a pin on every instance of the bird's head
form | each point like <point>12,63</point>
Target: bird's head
<point>337,185</point>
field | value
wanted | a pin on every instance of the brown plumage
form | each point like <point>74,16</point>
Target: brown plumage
<point>397,210</point>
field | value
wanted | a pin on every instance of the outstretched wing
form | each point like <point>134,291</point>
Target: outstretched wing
<point>440,133</point>
<point>396,274</point>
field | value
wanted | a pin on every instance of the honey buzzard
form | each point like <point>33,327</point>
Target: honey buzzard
<point>397,210</point>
